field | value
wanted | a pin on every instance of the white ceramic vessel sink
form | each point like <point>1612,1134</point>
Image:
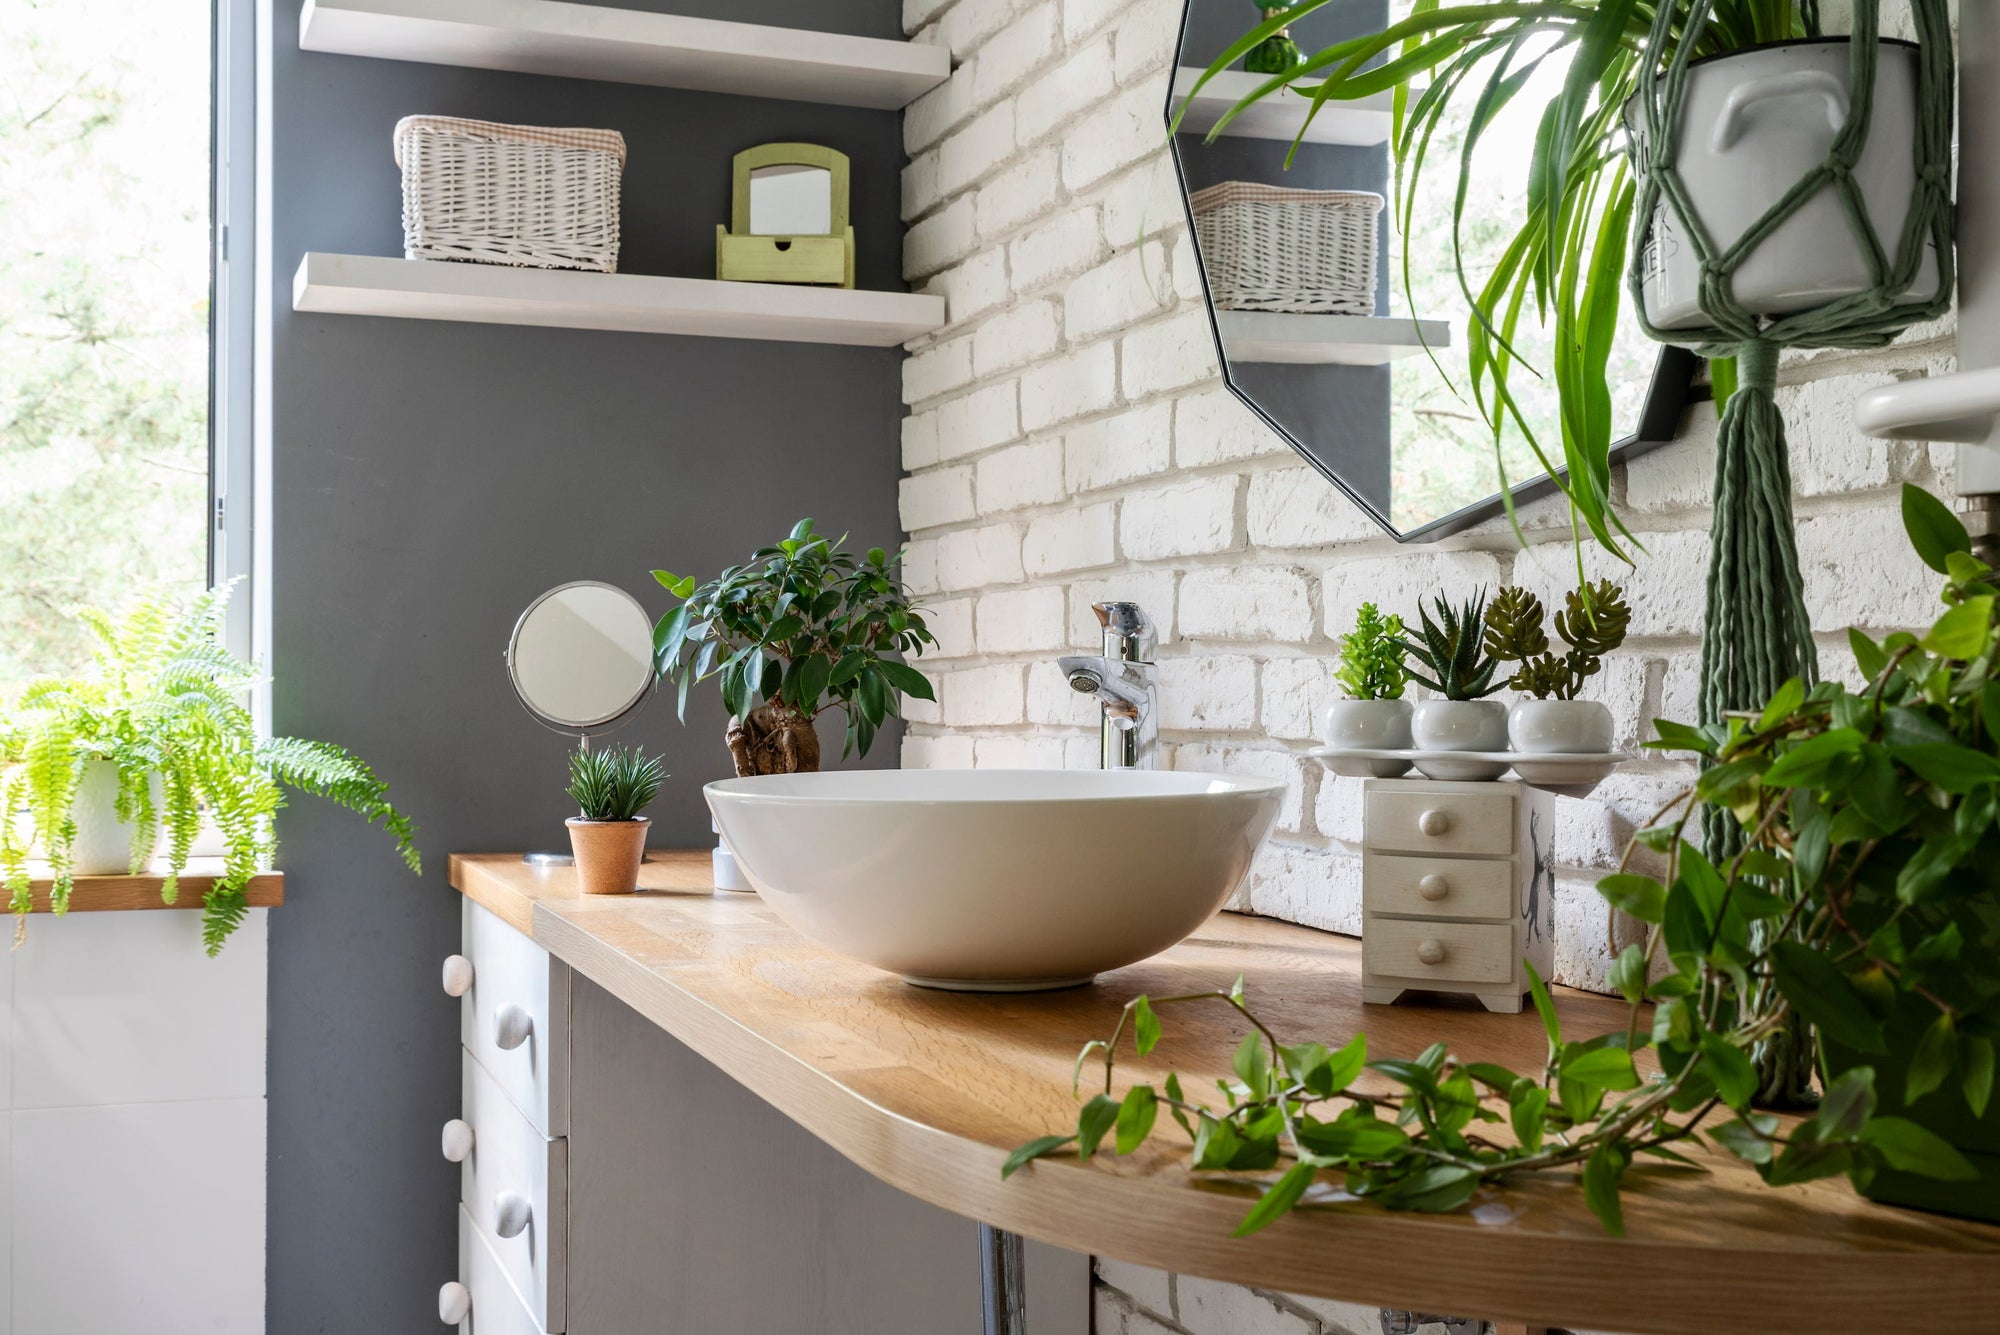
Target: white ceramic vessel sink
<point>995,880</point>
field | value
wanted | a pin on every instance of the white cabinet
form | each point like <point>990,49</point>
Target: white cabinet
<point>514,1183</point>
<point>491,1305</point>
<point>515,1017</point>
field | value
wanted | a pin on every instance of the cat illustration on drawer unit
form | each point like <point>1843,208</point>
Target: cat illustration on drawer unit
<point>1458,883</point>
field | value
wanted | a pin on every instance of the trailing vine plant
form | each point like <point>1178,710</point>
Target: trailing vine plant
<point>1872,866</point>
<point>163,703</point>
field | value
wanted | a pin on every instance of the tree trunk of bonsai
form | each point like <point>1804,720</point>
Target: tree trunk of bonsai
<point>774,738</point>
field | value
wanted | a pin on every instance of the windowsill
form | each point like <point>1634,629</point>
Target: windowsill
<point>97,894</point>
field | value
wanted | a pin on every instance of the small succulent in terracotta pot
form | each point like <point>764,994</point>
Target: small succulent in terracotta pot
<point>608,835</point>
<point>802,627</point>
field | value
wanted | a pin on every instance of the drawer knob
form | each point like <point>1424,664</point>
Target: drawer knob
<point>1433,886</point>
<point>511,1214</point>
<point>454,1303</point>
<point>457,1140</point>
<point>1434,822</point>
<point>457,975</point>
<point>511,1026</point>
<point>1431,951</point>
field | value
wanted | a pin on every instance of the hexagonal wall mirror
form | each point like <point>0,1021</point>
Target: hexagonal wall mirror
<point>1371,392</point>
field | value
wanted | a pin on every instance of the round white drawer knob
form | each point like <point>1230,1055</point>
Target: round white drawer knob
<point>1431,951</point>
<point>511,1214</point>
<point>457,975</point>
<point>457,1139</point>
<point>454,1303</point>
<point>1433,886</point>
<point>1434,822</point>
<point>511,1026</point>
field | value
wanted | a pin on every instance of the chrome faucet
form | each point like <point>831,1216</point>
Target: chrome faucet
<point>1126,683</point>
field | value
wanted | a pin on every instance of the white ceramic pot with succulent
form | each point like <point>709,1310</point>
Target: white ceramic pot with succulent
<point>1461,672</point>
<point>1592,624</point>
<point>1373,716</point>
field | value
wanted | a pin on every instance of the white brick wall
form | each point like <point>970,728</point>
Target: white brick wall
<point>1069,440</point>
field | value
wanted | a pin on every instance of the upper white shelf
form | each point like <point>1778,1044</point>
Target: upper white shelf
<point>1327,340</point>
<point>629,46</point>
<point>1358,123</point>
<point>638,303</point>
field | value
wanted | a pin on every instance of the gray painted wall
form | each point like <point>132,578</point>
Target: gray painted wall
<point>429,479</point>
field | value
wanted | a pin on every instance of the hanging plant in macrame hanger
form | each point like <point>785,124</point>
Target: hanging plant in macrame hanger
<point>1793,195</point>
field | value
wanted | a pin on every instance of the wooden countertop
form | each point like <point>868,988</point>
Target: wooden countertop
<point>93,894</point>
<point>930,1090</point>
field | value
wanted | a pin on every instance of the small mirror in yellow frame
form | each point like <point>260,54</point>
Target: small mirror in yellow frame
<point>788,218</point>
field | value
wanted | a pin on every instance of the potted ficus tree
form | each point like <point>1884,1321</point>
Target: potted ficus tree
<point>608,834</point>
<point>1374,715</point>
<point>148,746</point>
<point>1452,649</point>
<point>1592,624</point>
<point>801,628</point>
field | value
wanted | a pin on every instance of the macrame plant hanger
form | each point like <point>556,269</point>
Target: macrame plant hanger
<point>1756,634</point>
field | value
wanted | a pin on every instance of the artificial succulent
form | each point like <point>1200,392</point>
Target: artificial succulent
<point>1371,656</point>
<point>1592,623</point>
<point>1452,648</point>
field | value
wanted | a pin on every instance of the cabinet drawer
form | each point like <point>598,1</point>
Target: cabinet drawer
<point>1440,821</point>
<point>515,1174</point>
<point>519,997</point>
<point>1438,952</point>
<point>1438,887</point>
<point>496,1308</point>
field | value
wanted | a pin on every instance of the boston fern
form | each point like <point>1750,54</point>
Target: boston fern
<point>800,628</point>
<point>1866,898</point>
<point>1452,650</point>
<point>613,784</point>
<point>164,704</point>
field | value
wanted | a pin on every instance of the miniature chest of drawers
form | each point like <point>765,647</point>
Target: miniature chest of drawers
<point>1456,884</point>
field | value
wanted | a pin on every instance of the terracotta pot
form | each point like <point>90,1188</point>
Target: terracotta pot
<point>608,854</point>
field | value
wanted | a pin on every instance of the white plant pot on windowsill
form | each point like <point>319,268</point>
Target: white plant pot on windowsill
<point>1565,727</point>
<point>103,844</point>
<point>1366,725</point>
<point>1460,725</point>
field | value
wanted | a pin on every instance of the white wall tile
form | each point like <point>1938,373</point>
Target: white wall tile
<point>125,1008</point>
<point>139,1217</point>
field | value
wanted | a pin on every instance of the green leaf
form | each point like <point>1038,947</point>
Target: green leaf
<point>1847,1105</point>
<point>1601,1171</point>
<point>1253,1065</point>
<point>1748,1138</point>
<point>1729,1067</point>
<point>1932,1059</point>
<point>1528,1114</point>
<point>1033,1150</point>
<point>1628,974</point>
<point>1869,656</point>
<point>1934,530</point>
<point>1280,1198</point>
<point>1806,765</point>
<point>1606,1068</point>
<point>1435,1190</point>
<point>847,669</point>
<point>814,671</point>
<point>1145,1026</point>
<point>1136,1116</point>
<point>1787,698</point>
<point>1544,1007</point>
<point>1956,769</point>
<point>1962,631</point>
<point>1097,1117</point>
<point>1680,737</point>
<point>1917,1149</point>
<point>907,679</point>
<point>1820,992</point>
<point>1641,896</point>
<point>1342,1067</point>
<point>1354,1136</point>
<point>1173,1088</point>
<point>1216,1143</point>
<point>1975,1055</point>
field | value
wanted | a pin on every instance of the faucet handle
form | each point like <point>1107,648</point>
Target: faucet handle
<point>1128,631</point>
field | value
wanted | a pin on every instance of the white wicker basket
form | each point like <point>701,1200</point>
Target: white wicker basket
<point>510,194</point>
<point>1271,248</point>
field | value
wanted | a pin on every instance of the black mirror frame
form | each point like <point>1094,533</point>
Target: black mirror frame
<point>1667,394</point>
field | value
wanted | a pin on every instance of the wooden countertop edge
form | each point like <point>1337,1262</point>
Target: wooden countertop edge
<point>104,894</point>
<point>1499,1273</point>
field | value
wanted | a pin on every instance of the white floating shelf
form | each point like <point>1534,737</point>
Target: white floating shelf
<point>1327,340</point>
<point>629,46</point>
<point>636,303</point>
<point>1363,121</point>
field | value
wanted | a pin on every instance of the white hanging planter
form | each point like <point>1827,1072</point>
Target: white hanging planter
<point>1754,122</point>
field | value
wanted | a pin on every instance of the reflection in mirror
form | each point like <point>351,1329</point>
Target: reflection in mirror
<point>791,199</point>
<point>581,656</point>
<point>1358,363</point>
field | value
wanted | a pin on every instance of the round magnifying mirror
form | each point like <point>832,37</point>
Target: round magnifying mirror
<point>581,657</point>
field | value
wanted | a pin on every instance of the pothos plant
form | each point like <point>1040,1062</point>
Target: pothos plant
<point>1563,265</point>
<point>798,629</point>
<point>1592,623</point>
<point>1371,656</point>
<point>1873,859</point>
<point>164,704</point>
